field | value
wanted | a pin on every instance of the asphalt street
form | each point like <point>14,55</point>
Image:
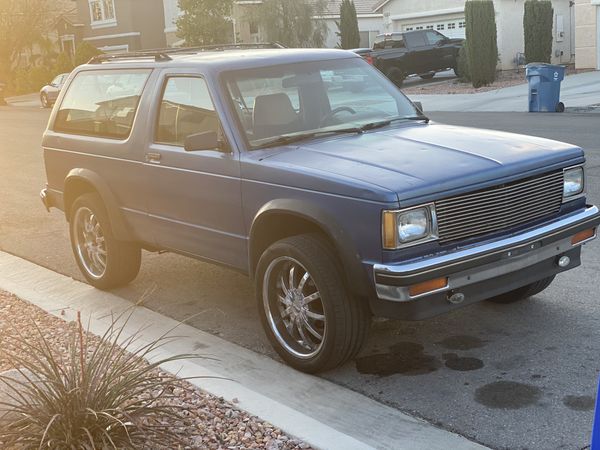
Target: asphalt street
<point>517,376</point>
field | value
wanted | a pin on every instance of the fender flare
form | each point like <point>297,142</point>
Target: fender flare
<point>356,276</point>
<point>118,225</point>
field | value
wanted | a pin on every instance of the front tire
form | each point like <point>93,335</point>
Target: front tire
<point>523,293</point>
<point>105,262</point>
<point>305,309</point>
<point>427,76</point>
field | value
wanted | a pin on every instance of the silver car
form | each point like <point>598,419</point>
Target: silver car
<point>49,93</point>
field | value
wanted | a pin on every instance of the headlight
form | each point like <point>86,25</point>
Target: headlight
<point>409,227</point>
<point>574,182</point>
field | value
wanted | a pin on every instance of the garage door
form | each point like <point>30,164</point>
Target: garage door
<point>454,28</point>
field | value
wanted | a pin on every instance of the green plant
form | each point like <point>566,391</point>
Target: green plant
<point>482,38</point>
<point>463,68</point>
<point>205,22</point>
<point>348,25</point>
<point>292,23</point>
<point>63,64</point>
<point>537,26</point>
<point>84,52</point>
<point>102,395</point>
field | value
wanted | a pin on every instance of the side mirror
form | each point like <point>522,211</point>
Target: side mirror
<point>419,106</point>
<point>208,140</point>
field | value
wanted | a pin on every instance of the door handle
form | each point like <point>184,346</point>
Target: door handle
<point>153,158</point>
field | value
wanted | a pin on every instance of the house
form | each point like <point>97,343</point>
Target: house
<point>587,26</point>
<point>370,23</point>
<point>120,25</point>
<point>246,29</point>
<point>447,16</point>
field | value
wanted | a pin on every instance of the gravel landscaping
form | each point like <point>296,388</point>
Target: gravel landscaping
<point>506,78</point>
<point>203,422</point>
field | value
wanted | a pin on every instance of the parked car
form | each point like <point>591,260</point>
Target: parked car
<point>339,206</point>
<point>421,52</point>
<point>49,93</point>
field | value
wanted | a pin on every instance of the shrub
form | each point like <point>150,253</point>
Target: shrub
<point>84,52</point>
<point>538,22</point>
<point>482,38</point>
<point>348,25</point>
<point>462,64</point>
<point>104,395</point>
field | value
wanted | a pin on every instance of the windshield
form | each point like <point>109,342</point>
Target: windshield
<point>304,99</point>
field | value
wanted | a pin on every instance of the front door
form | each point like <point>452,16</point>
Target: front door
<point>194,198</point>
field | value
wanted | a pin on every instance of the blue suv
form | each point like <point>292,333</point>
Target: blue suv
<point>340,203</point>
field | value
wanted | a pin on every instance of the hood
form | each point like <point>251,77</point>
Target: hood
<point>420,162</point>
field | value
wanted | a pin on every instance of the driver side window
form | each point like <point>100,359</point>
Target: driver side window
<point>186,109</point>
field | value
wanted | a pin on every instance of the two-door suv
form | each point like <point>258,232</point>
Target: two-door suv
<point>340,205</point>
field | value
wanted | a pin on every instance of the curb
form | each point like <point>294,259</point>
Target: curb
<point>321,413</point>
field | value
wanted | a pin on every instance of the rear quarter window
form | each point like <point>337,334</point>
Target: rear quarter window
<point>102,103</point>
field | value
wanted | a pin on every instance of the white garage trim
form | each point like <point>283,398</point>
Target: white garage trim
<point>438,12</point>
<point>598,37</point>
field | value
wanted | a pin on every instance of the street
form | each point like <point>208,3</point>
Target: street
<point>508,376</point>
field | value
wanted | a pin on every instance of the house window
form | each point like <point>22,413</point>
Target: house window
<point>429,27</point>
<point>419,28</point>
<point>462,24</point>
<point>102,11</point>
<point>409,29</point>
<point>441,27</point>
<point>452,26</point>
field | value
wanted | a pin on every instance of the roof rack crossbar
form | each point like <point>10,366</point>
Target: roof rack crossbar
<point>160,56</point>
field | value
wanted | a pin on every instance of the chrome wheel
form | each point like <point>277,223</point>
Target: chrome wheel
<point>294,307</point>
<point>90,242</point>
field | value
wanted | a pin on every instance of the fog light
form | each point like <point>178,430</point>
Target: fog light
<point>564,261</point>
<point>456,298</point>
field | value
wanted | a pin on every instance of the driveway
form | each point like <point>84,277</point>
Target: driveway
<point>580,90</point>
<point>511,377</point>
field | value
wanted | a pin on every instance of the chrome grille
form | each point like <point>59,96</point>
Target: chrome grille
<point>499,208</point>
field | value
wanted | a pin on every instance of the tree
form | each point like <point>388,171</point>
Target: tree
<point>205,22</point>
<point>537,25</point>
<point>84,52</point>
<point>348,25</point>
<point>482,38</point>
<point>23,23</point>
<point>292,23</point>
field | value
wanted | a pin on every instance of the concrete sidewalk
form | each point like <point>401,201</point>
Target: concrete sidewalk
<point>323,414</point>
<point>577,91</point>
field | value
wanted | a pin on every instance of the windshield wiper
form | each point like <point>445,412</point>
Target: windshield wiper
<point>285,140</point>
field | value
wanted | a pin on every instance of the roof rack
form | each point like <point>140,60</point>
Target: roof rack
<point>162,55</point>
<point>159,56</point>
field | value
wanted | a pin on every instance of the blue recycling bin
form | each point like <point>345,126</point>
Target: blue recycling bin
<point>544,87</point>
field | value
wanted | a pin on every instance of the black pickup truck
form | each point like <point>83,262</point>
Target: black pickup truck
<point>421,52</point>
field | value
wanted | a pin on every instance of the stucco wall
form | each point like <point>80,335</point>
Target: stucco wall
<point>509,21</point>
<point>371,24</point>
<point>587,36</point>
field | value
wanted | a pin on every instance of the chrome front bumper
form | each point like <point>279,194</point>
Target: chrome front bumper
<point>487,261</point>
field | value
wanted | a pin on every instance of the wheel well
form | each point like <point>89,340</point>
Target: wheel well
<point>279,226</point>
<point>73,190</point>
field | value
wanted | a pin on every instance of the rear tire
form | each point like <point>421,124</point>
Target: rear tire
<point>105,262</point>
<point>309,317</point>
<point>560,107</point>
<point>523,293</point>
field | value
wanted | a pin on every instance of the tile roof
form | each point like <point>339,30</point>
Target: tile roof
<point>362,6</point>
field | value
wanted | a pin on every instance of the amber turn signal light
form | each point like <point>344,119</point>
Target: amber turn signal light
<point>428,286</point>
<point>583,236</point>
